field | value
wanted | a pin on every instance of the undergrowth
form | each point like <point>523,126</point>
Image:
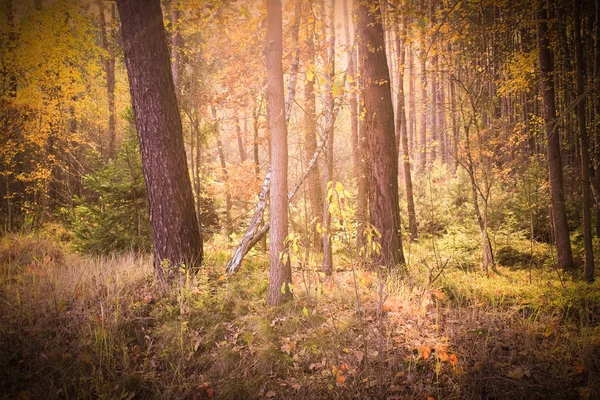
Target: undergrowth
<point>98,327</point>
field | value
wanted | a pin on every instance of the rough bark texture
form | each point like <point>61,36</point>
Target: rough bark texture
<point>280,274</point>
<point>379,115</point>
<point>583,140</point>
<point>557,195</point>
<point>402,133</point>
<point>171,205</point>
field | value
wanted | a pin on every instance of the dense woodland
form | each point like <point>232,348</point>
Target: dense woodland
<point>310,198</point>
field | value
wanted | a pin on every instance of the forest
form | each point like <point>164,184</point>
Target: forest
<point>298,199</point>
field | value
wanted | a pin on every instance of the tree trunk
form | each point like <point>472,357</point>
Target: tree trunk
<point>383,159</point>
<point>109,70</point>
<point>402,132</point>
<point>223,163</point>
<point>175,231</point>
<point>315,192</point>
<point>329,124</point>
<point>583,140</point>
<point>240,140</point>
<point>280,273</point>
<point>559,214</point>
<point>291,90</point>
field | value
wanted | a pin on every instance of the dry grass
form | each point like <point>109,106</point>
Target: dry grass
<point>75,327</point>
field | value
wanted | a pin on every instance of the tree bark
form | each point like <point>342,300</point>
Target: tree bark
<point>383,159</point>
<point>315,192</point>
<point>109,70</point>
<point>402,132</point>
<point>329,124</point>
<point>583,140</point>
<point>280,274</point>
<point>174,224</point>
<point>557,195</point>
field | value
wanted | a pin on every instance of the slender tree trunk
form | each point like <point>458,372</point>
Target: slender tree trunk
<point>255,139</point>
<point>224,172</point>
<point>315,192</point>
<point>583,140</point>
<point>280,273</point>
<point>412,112</point>
<point>291,90</point>
<point>329,123</point>
<point>559,214</point>
<point>402,132</point>
<point>109,70</point>
<point>240,140</point>
<point>423,127</point>
<point>170,201</point>
<point>379,113</point>
<point>486,245</point>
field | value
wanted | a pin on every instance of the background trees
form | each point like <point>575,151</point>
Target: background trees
<point>472,79</point>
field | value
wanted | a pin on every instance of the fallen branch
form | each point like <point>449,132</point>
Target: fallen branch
<point>258,228</point>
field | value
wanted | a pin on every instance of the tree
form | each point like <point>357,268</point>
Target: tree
<point>557,195</point>
<point>402,135</point>
<point>379,119</point>
<point>583,140</point>
<point>280,273</point>
<point>173,219</point>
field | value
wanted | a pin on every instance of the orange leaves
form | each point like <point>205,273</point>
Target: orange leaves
<point>441,353</point>
<point>340,373</point>
<point>424,352</point>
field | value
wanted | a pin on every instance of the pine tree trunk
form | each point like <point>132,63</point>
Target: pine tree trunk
<point>402,132</point>
<point>170,201</point>
<point>280,274</point>
<point>583,140</point>
<point>379,118</point>
<point>557,195</point>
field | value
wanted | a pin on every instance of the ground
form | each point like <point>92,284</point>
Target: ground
<point>76,326</point>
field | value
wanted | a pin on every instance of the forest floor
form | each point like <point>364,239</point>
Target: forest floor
<point>76,326</point>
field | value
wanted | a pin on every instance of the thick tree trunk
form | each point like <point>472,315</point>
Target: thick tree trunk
<point>175,231</point>
<point>557,195</point>
<point>280,273</point>
<point>402,132</point>
<point>379,117</point>
<point>583,140</point>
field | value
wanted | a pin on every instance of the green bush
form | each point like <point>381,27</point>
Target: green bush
<point>113,214</point>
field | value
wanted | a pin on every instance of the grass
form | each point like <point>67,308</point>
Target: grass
<point>79,327</point>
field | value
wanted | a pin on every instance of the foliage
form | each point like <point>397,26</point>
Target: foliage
<point>112,215</point>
